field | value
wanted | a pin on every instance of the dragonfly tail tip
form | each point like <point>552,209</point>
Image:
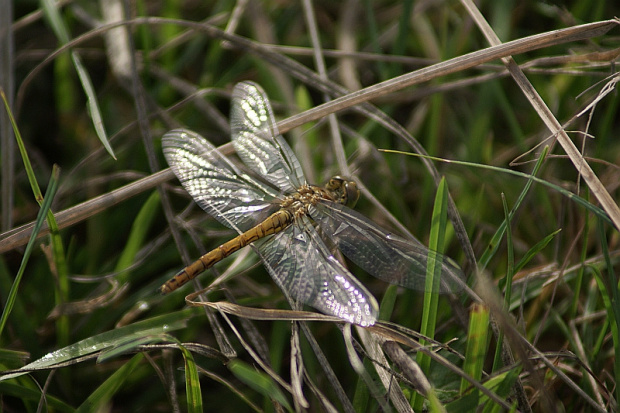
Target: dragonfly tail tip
<point>163,290</point>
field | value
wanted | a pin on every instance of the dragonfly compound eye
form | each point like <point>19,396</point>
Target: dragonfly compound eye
<point>345,192</point>
<point>352,193</point>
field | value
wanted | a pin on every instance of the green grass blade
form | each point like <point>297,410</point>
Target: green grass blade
<point>361,397</point>
<point>12,358</point>
<point>93,105</point>
<point>614,302</point>
<point>22,150</point>
<point>510,267</point>
<point>54,404</point>
<point>130,343</point>
<point>98,399</point>
<point>192,383</point>
<point>53,16</point>
<point>577,285</point>
<point>434,405</point>
<point>502,386</point>
<point>507,282</point>
<point>139,231</point>
<point>62,273</point>
<point>373,33</point>
<point>150,327</point>
<point>47,202</point>
<point>62,293</point>
<point>26,328</point>
<point>388,302</point>
<point>433,276</point>
<point>532,252</point>
<point>598,212</point>
<point>260,382</point>
<point>476,345</point>
<point>499,234</point>
<point>433,271</point>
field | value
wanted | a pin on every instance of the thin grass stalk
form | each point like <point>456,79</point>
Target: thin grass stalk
<point>433,277</point>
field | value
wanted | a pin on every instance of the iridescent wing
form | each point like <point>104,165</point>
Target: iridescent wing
<point>296,258</point>
<point>380,253</point>
<point>257,140</point>
<point>234,199</point>
<point>300,263</point>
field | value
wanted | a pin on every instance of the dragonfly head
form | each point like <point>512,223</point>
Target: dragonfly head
<point>344,191</point>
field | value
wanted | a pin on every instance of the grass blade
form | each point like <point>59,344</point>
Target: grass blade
<point>192,383</point>
<point>139,230</point>
<point>62,293</point>
<point>53,16</point>
<point>613,307</point>
<point>150,327</point>
<point>476,345</point>
<point>433,276</point>
<point>33,395</point>
<point>532,252</point>
<point>260,382</point>
<point>98,399</point>
<point>507,283</point>
<point>531,177</point>
<point>47,202</point>
<point>22,150</point>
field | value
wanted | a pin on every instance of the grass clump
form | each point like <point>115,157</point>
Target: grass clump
<point>513,140</point>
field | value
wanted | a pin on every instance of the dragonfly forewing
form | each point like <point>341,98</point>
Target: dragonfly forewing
<point>257,141</point>
<point>216,184</point>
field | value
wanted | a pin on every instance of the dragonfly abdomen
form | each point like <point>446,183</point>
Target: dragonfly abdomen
<point>272,225</point>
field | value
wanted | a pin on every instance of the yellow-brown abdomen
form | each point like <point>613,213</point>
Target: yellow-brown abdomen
<point>272,225</point>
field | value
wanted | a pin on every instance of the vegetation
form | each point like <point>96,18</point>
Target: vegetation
<point>473,164</point>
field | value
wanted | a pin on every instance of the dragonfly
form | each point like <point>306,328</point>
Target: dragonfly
<point>294,226</point>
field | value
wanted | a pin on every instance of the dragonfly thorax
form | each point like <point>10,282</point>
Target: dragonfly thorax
<point>337,190</point>
<point>305,196</point>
